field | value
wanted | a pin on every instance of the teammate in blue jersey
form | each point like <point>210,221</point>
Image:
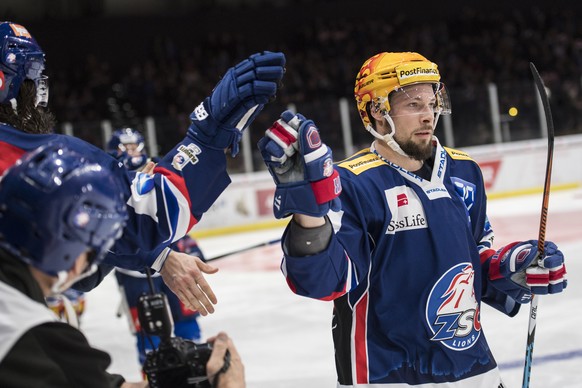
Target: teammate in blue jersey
<point>165,201</point>
<point>397,236</point>
<point>128,146</point>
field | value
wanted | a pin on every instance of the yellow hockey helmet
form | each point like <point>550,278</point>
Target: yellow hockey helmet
<point>386,72</point>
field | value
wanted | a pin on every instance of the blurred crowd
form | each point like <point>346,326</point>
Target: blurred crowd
<point>471,47</point>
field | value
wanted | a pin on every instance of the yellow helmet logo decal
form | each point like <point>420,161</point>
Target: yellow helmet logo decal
<point>410,73</point>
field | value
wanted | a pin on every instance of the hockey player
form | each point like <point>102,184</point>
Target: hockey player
<point>128,146</point>
<point>164,202</point>
<point>398,238</point>
<point>59,214</point>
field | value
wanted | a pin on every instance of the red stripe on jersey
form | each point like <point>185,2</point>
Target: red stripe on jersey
<point>337,294</point>
<point>9,155</point>
<point>333,296</point>
<point>179,183</point>
<point>135,318</point>
<point>360,349</point>
<point>291,285</point>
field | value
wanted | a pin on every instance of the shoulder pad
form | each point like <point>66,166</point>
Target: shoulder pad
<point>361,161</point>
<point>458,155</point>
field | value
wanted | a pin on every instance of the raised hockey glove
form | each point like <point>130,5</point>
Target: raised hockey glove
<point>518,270</point>
<point>301,166</point>
<point>237,99</point>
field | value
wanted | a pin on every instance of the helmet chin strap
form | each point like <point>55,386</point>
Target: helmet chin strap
<point>389,137</point>
<point>63,277</point>
<point>57,287</point>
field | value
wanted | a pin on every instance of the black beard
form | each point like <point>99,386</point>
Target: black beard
<point>27,117</point>
<point>416,151</point>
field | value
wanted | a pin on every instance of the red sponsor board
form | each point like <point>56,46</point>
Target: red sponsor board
<point>490,170</point>
<point>265,201</point>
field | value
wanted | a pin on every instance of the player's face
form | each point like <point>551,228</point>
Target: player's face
<point>412,110</point>
<point>77,271</point>
<point>132,149</point>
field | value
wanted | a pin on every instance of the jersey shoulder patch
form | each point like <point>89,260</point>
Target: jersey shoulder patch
<point>361,161</point>
<point>458,155</point>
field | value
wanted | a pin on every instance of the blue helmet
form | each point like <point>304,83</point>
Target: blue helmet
<point>117,147</point>
<point>56,204</point>
<point>124,136</point>
<point>21,58</point>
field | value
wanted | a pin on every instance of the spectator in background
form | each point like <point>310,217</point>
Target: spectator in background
<point>475,47</point>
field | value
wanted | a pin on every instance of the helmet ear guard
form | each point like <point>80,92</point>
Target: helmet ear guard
<point>375,106</point>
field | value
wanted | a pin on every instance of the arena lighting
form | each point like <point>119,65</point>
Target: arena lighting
<point>513,111</point>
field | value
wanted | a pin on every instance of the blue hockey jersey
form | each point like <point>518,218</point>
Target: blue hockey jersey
<point>162,207</point>
<point>403,268</point>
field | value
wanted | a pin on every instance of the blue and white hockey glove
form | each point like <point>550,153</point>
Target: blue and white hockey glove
<point>237,99</point>
<point>301,166</point>
<point>517,270</point>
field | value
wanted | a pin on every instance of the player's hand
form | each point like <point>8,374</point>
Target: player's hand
<point>229,370</point>
<point>519,270</point>
<point>183,274</point>
<point>148,168</point>
<point>236,100</point>
<point>301,166</point>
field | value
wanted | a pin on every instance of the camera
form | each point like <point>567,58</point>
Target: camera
<point>177,362</point>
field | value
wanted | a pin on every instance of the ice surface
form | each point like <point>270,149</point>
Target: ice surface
<point>285,340</point>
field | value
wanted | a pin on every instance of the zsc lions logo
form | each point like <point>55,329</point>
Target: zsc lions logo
<point>452,311</point>
<point>186,154</point>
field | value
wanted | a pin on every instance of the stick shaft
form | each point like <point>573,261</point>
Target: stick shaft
<point>263,244</point>
<point>532,324</point>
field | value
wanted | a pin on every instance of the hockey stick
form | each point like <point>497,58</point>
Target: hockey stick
<point>531,330</point>
<point>263,244</point>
